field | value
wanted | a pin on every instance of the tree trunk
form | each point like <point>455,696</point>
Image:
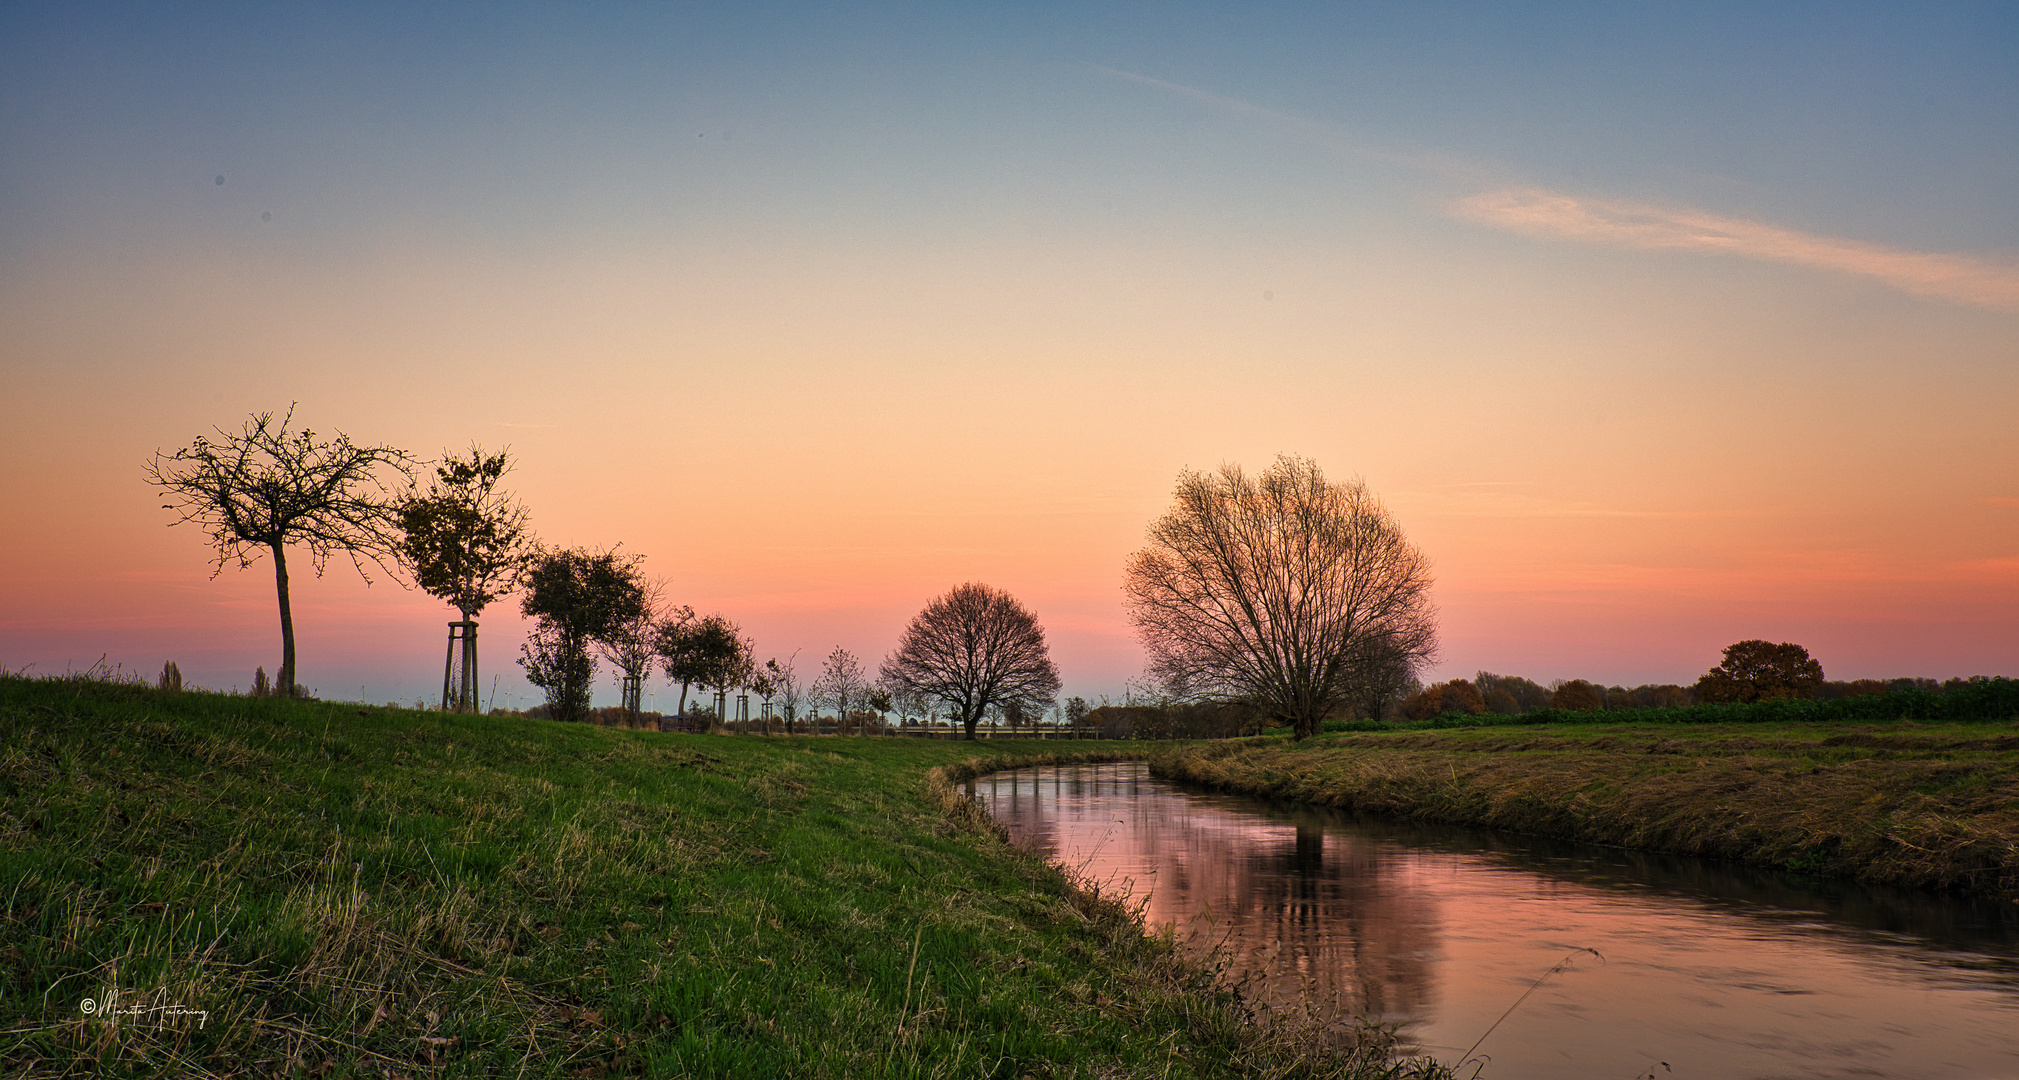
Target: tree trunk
<point>969,719</point>
<point>470,683</point>
<point>284,685</point>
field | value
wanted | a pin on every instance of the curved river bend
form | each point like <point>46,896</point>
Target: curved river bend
<point>1719,971</point>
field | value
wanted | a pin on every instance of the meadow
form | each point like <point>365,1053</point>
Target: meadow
<point>203,884</point>
<point>1930,805</point>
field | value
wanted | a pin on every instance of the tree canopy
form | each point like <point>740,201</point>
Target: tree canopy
<point>975,648</point>
<point>1283,589</point>
<point>579,597</point>
<point>708,651</point>
<point>463,539</point>
<point>1756,670</point>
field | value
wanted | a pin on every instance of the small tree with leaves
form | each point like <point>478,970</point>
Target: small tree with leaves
<point>465,541</point>
<point>698,651</point>
<point>762,685</point>
<point>579,597</point>
<point>631,645</point>
<point>1076,713</point>
<point>263,488</point>
<point>730,663</point>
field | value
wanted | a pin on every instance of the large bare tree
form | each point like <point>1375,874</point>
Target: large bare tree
<point>263,488</point>
<point>465,541</point>
<point>1284,589</point>
<point>974,648</point>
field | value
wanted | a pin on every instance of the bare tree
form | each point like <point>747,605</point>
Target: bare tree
<point>785,684</point>
<point>974,648</point>
<point>1279,589</point>
<point>464,541</point>
<point>265,487</point>
<point>908,702</point>
<point>841,685</point>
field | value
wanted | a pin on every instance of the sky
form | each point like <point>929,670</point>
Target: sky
<point>1657,327</point>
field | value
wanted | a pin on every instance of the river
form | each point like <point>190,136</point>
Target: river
<point>1695,969</point>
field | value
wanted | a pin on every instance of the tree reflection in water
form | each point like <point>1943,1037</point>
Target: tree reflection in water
<point>1736,972</point>
<point>1293,911</point>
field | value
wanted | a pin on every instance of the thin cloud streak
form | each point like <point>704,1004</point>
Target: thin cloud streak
<point>1315,130</point>
<point>1535,212</point>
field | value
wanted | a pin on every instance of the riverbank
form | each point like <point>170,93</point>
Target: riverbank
<point>1919,805</point>
<point>207,884</point>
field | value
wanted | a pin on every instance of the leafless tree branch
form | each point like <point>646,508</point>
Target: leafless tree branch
<point>1284,589</point>
<point>974,648</point>
<point>265,488</point>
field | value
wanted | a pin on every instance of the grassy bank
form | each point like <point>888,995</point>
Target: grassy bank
<point>200,884</point>
<point>1929,806</point>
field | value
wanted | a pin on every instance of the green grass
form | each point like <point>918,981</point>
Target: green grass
<point>348,890</point>
<point>1928,805</point>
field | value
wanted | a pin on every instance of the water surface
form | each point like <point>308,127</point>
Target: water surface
<point>1719,971</point>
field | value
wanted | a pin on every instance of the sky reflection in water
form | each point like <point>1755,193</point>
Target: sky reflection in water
<point>1720,971</point>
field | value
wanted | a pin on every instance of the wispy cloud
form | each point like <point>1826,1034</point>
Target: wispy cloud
<point>1314,130</point>
<point>1534,212</point>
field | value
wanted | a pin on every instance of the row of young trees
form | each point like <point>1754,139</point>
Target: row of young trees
<point>268,487</point>
<point>1291,595</point>
<point>462,538</point>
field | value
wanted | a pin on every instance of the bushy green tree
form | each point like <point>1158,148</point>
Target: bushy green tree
<point>701,651</point>
<point>1756,670</point>
<point>465,541</point>
<point>578,597</point>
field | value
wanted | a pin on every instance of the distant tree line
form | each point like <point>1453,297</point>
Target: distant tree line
<point>1752,671</point>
